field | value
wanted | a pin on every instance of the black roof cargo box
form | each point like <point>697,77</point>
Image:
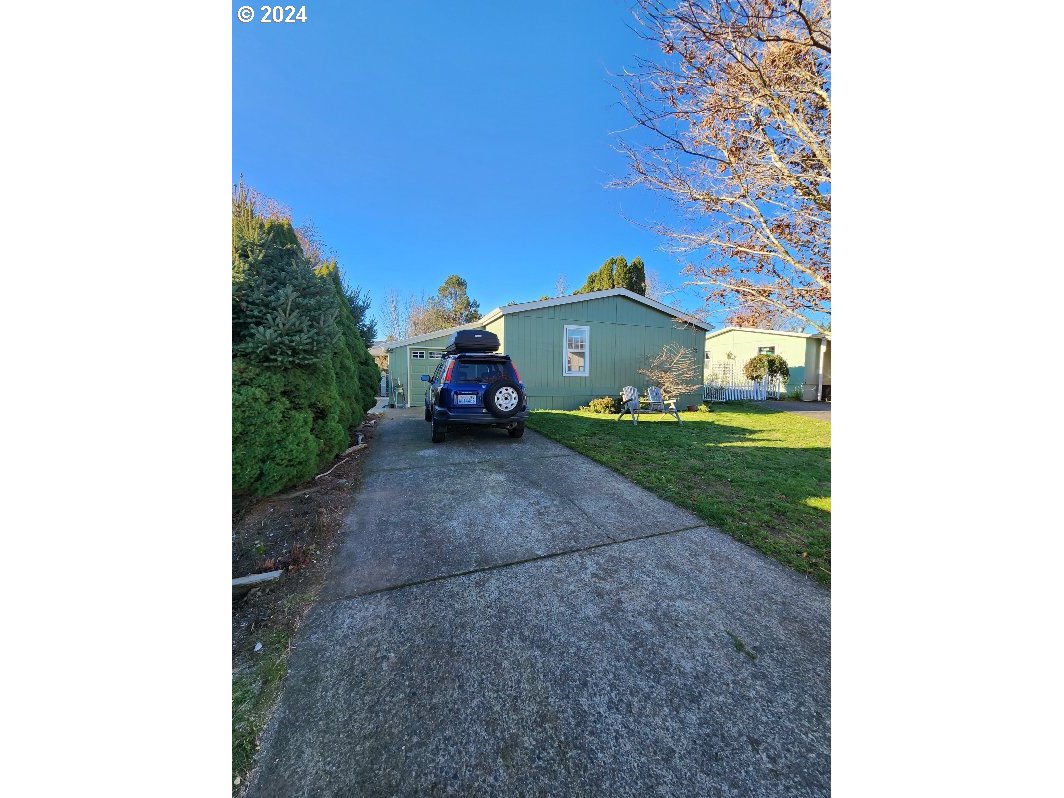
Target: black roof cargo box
<point>473,341</point>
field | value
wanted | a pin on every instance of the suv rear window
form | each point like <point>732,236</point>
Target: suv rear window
<point>482,371</point>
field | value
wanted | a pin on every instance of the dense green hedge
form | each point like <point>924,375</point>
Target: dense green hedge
<point>302,376</point>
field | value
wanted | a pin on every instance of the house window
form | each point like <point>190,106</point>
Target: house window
<point>575,351</point>
<point>417,354</point>
<point>708,356</point>
<point>435,355</point>
<point>766,350</point>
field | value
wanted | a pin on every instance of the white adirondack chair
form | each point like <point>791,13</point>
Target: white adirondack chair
<point>629,403</point>
<point>659,405</point>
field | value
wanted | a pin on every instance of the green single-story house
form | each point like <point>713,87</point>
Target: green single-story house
<point>808,357</point>
<point>568,350</point>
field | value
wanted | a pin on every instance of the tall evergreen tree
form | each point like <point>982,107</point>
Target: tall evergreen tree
<point>302,375</point>
<point>453,302</point>
<point>617,273</point>
<point>283,314</point>
<point>637,279</point>
<point>358,300</point>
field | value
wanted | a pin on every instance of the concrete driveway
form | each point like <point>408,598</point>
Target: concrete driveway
<point>508,618</point>
<point>818,410</point>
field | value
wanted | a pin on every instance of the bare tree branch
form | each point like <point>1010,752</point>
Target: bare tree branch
<point>674,369</point>
<point>738,114</point>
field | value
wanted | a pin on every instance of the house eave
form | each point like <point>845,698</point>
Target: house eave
<point>675,313</point>
<point>715,333</point>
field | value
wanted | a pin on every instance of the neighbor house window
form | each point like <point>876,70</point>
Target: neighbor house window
<point>766,350</point>
<point>575,354</point>
<point>435,355</point>
<point>417,354</point>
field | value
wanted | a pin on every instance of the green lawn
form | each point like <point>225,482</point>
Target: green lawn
<point>761,475</point>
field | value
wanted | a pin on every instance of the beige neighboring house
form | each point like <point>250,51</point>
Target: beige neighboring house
<point>808,357</point>
<point>379,349</point>
<point>379,352</point>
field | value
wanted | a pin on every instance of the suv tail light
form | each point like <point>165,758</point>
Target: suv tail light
<point>450,368</point>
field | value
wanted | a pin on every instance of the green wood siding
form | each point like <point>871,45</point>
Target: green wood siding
<point>408,370</point>
<point>622,334</point>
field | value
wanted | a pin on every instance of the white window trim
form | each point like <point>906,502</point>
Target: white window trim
<point>587,351</point>
<point>767,346</point>
<point>417,354</point>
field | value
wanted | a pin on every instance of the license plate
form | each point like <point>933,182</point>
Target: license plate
<point>465,398</point>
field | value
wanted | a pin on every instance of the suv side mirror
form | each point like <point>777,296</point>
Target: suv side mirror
<point>425,378</point>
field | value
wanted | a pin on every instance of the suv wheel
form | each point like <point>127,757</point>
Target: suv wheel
<point>439,432</point>
<point>428,413</point>
<point>503,399</point>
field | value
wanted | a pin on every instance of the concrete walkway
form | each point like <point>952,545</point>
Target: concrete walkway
<point>508,618</point>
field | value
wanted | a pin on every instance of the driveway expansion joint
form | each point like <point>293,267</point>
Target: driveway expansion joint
<point>419,466</point>
<point>484,569</point>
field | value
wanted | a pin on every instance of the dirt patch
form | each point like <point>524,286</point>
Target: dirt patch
<point>295,532</point>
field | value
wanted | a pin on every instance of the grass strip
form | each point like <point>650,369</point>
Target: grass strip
<point>759,474</point>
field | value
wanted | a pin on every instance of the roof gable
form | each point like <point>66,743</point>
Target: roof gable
<point>417,339</point>
<point>521,307</point>
<point>591,296</point>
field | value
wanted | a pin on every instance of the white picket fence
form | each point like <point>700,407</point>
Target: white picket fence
<point>749,390</point>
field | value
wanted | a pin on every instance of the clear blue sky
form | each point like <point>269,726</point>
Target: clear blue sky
<point>425,139</point>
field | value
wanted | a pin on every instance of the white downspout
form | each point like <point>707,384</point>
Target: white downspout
<point>408,389</point>
<point>820,372</point>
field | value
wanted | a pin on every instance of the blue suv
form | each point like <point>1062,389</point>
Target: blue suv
<point>472,385</point>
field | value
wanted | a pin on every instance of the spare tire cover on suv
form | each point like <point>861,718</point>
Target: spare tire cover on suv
<point>503,399</point>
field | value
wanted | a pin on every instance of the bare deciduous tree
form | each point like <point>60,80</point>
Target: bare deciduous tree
<point>674,369</point>
<point>450,307</point>
<point>261,205</point>
<point>764,317</point>
<point>313,244</point>
<point>655,288</point>
<point>739,113</point>
<point>424,317</point>
<point>560,286</point>
<point>396,317</point>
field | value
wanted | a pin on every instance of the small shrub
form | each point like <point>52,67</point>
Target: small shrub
<point>705,408</point>
<point>773,366</point>
<point>796,394</point>
<point>607,404</point>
